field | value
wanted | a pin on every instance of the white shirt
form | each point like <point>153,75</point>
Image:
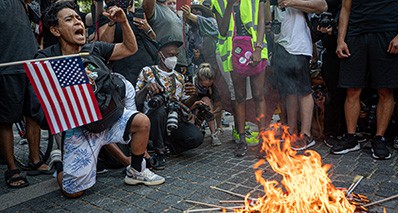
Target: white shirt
<point>295,35</point>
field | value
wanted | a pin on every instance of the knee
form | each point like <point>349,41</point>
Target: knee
<point>240,98</point>
<point>353,93</point>
<point>258,96</point>
<point>385,94</point>
<point>141,123</point>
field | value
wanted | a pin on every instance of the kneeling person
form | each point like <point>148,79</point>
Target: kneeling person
<point>81,147</point>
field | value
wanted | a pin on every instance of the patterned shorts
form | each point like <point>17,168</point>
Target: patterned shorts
<point>81,149</point>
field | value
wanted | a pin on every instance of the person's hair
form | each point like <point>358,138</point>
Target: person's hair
<point>50,15</point>
<point>204,72</point>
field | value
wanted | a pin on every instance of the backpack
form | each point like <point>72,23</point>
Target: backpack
<point>109,90</point>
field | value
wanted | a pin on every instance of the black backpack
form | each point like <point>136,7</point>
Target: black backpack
<point>109,90</point>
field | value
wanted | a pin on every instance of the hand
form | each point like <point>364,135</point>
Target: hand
<point>285,3</point>
<point>115,14</point>
<point>196,54</point>
<point>255,58</point>
<point>142,23</point>
<point>393,46</point>
<point>342,51</point>
<point>154,88</point>
<point>190,89</point>
<point>327,30</point>
<point>186,10</point>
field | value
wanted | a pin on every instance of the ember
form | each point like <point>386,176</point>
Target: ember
<point>305,185</point>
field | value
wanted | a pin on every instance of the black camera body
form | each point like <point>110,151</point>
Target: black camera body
<point>275,26</point>
<point>204,112</point>
<point>158,100</point>
<point>326,20</point>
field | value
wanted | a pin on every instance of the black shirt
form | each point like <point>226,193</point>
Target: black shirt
<point>371,16</point>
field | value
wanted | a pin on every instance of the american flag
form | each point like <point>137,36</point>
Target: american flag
<point>64,92</point>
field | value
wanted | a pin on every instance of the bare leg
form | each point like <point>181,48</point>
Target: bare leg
<point>257,88</point>
<point>240,106</point>
<point>33,136</point>
<point>384,110</point>
<point>292,107</point>
<point>352,109</point>
<point>211,124</point>
<point>140,129</point>
<point>306,113</point>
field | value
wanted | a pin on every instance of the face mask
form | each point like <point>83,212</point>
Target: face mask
<point>172,7</point>
<point>170,62</point>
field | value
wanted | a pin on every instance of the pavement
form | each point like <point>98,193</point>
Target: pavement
<point>191,176</point>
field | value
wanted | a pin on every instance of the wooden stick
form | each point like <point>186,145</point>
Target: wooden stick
<point>381,201</point>
<point>43,59</point>
<point>351,189</point>
<point>232,193</point>
<point>204,204</point>
<point>231,201</point>
<point>213,209</point>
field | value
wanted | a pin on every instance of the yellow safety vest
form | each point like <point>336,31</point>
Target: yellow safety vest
<point>249,17</point>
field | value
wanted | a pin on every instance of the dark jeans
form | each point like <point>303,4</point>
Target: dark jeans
<point>334,120</point>
<point>186,136</point>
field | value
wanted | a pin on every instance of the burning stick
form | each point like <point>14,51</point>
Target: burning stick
<point>232,193</point>
<point>381,201</point>
<point>231,201</point>
<point>204,204</point>
<point>209,209</point>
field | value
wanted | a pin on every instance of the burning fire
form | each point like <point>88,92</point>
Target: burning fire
<point>305,185</point>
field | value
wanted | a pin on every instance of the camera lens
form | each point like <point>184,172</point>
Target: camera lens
<point>172,121</point>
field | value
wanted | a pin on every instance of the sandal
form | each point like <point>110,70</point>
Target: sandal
<point>8,176</point>
<point>34,169</point>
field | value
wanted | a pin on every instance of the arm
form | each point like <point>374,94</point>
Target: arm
<point>128,46</point>
<point>223,22</point>
<point>145,26</point>
<point>106,32</point>
<point>188,15</point>
<point>342,50</point>
<point>307,6</point>
<point>256,56</point>
<point>148,7</point>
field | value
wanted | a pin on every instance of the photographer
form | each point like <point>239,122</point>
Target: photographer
<point>162,92</point>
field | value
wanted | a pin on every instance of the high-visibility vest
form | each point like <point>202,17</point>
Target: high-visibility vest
<point>249,17</point>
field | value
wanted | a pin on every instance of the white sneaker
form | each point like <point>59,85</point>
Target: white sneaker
<point>146,177</point>
<point>215,140</point>
<point>55,156</point>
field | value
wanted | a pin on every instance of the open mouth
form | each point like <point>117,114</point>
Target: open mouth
<point>79,32</point>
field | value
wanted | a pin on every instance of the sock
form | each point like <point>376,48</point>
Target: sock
<point>148,163</point>
<point>136,162</point>
<point>242,138</point>
<point>351,135</point>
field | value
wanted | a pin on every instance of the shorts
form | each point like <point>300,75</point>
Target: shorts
<point>81,149</point>
<point>369,63</point>
<point>16,97</point>
<point>291,73</point>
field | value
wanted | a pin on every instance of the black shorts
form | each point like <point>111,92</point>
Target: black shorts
<point>291,73</point>
<point>369,64</point>
<point>16,97</point>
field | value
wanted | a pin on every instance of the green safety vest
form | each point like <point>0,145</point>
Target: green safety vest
<point>249,17</point>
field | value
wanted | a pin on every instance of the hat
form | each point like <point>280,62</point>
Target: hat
<point>169,40</point>
<point>203,6</point>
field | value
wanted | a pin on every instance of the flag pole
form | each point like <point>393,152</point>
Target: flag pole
<point>43,59</point>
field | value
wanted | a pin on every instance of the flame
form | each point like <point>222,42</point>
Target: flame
<point>305,186</point>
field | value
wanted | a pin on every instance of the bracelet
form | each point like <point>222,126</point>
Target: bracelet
<point>111,23</point>
<point>259,45</point>
<point>150,30</point>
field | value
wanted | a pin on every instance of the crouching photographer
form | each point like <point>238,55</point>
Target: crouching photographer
<point>165,97</point>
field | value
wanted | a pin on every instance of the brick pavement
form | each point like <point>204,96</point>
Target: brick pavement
<point>189,177</point>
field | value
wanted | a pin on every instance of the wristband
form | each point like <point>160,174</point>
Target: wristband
<point>111,23</point>
<point>259,45</point>
<point>150,30</point>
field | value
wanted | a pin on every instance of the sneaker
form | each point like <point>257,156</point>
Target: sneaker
<point>331,141</point>
<point>302,143</point>
<point>55,156</point>
<point>146,177</point>
<point>379,148</point>
<point>241,149</point>
<point>215,140</point>
<point>101,168</point>
<point>158,161</point>
<point>360,138</point>
<point>346,144</point>
<point>219,131</point>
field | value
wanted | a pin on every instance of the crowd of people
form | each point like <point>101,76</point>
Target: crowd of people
<point>181,67</point>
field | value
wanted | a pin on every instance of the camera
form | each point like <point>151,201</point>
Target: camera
<point>204,113</point>
<point>158,100</point>
<point>275,26</point>
<point>275,3</point>
<point>172,119</point>
<point>326,20</point>
<point>138,13</point>
<point>319,92</point>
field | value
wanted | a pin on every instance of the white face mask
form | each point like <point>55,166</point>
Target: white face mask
<point>170,62</point>
<point>172,7</point>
